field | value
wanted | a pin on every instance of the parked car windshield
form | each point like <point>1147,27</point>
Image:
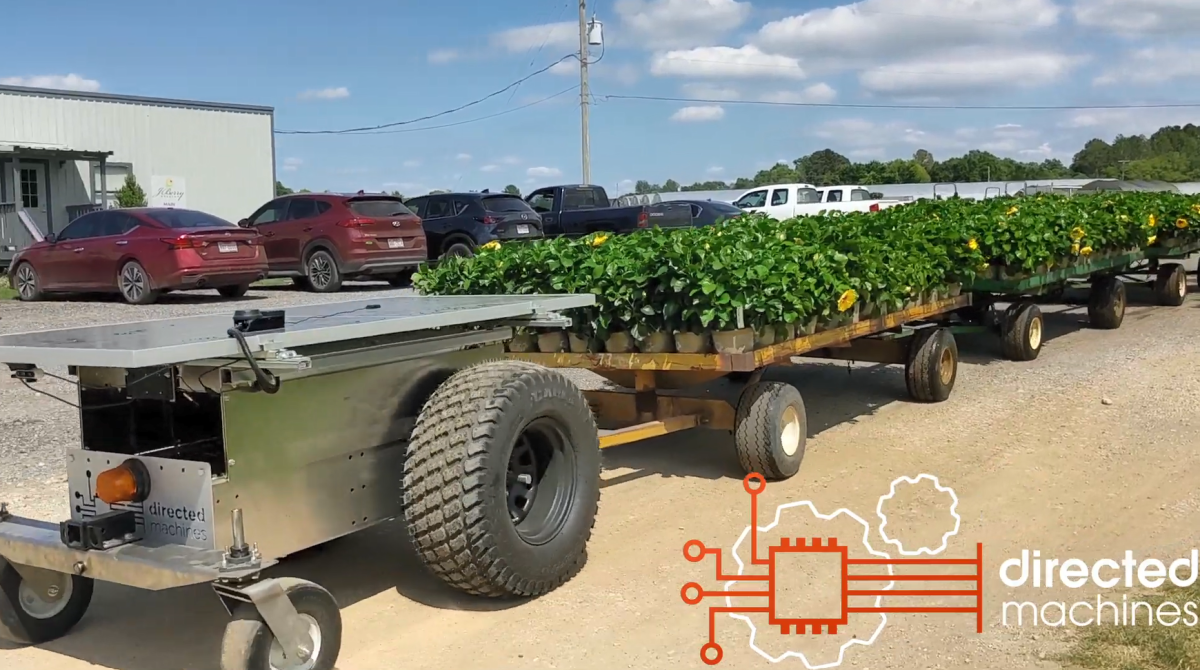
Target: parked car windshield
<point>377,208</point>
<point>188,218</point>
<point>506,204</point>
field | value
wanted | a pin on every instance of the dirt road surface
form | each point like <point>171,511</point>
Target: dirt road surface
<point>1085,452</point>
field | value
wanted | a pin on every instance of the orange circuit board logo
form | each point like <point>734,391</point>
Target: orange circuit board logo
<point>963,582</point>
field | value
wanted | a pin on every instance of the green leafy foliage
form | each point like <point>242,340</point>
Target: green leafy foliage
<point>754,271</point>
<point>131,194</point>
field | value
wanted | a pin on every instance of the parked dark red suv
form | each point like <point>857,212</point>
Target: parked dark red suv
<point>323,239</point>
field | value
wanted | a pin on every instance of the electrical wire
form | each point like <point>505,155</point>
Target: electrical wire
<point>475,120</point>
<point>851,105</point>
<point>364,129</point>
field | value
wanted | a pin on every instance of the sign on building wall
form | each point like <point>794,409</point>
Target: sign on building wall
<point>167,192</point>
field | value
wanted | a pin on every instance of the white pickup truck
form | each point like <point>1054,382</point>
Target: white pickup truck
<point>784,201</point>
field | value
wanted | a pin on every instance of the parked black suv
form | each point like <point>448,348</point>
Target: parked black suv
<point>456,224</point>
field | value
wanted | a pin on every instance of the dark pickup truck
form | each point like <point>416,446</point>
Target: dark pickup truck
<point>577,210</point>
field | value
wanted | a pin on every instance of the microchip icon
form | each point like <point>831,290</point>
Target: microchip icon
<point>792,554</point>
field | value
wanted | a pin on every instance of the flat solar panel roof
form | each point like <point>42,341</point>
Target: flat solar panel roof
<point>184,339</point>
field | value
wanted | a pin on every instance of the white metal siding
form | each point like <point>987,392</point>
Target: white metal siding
<point>225,157</point>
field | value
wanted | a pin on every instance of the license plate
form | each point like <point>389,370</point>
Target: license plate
<point>227,247</point>
<point>395,243</point>
<point>522,230</point>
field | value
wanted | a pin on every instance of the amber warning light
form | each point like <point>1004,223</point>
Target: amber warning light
<point>128,482</point>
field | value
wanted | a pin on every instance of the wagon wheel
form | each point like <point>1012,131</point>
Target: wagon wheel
<point>771,430</point>
<point>1022,333</point>
<point>932,366</point>
<point>1106,305</point>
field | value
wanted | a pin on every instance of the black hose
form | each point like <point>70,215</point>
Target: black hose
<point>265,381</point>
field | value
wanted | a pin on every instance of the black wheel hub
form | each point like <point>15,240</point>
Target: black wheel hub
<point>540,482</point>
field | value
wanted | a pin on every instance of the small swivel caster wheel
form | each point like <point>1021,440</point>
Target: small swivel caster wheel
<point>249,644</point>
<point>33,611</point>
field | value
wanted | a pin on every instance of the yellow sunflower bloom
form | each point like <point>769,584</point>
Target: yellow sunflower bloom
<point>494,244</point>
<point>1153,221</point>
<point>1085,251</point>
<point>847,300</point>
<point>1181,223</point>
<point>1012,210</point>
<point>599,239</point>
<point>1196,208</point>
<point>973,245</point>
<point>1077,233</point>
<point>1151,239</point>
<point>1075,249</point>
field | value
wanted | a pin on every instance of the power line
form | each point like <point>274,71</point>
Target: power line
<point>852,105</point>
<point>466,121</point>
<point>365,129</point>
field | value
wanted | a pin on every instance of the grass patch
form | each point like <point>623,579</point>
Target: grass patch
<point>276,281</point>
<point>1142,646</point>
<point>7,292</point>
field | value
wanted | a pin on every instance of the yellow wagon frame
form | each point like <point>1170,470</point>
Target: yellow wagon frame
<point>638,411</point>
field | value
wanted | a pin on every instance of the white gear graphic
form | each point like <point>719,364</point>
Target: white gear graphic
<point>892,494</point>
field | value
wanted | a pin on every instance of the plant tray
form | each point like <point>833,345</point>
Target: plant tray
<point>751,360</point>
<point>1040,281</point>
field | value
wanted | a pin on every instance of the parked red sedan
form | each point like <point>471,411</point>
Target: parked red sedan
<point>140,253</point>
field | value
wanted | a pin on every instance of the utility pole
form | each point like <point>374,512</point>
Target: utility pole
<point>583,92</point>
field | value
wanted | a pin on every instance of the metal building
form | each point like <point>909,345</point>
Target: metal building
<point>66,153</point>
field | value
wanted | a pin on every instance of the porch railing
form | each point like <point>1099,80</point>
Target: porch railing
<point>76,211</point>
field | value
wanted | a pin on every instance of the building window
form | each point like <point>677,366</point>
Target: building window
<point>29,188</point>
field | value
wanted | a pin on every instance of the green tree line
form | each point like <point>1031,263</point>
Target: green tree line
<point>1170,154</point>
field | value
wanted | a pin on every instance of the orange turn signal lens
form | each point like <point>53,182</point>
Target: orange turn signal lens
<point>128,482</point>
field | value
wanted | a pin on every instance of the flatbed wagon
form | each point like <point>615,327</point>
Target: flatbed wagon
<point>657,393</point>
<point>1020,325</point>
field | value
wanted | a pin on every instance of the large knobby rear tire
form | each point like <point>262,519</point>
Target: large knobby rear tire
<point>249,644</point>
<point>1106,305</point>
<point>502,480</point>
<point>771,430</point>
<point>932,366</point>
<point>1170,285</point>
<point>1022,332</point>
<point>30,617</point>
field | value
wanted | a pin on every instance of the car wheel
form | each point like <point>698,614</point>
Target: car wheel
<point>235,291</point>
<point>322,272</point>
<point>459,250</point>
<point>28,285</point>
<point>134,284</point>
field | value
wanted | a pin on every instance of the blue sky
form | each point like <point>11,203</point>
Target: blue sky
<point>366,62</point>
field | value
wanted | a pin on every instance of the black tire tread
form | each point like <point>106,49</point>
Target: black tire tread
<point>444,478</point>
<point>151,294</point>
<point>1102,301</point>
<point>1014,339</point>
<point>921,373</point>
<point>755,428</point>
<point>38,294</point>
<point>335,282</point>
<point>26,630</point>
<point>1165,291</point>
<point>235,291</point>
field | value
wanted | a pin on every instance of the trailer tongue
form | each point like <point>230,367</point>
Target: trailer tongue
<point>214,446</point>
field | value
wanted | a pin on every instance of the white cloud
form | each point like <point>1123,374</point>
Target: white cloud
<point>874,29</point>
<point>463,157</point>
<point>1107,123</point>
<point>543,172</point>
<point>681,23</point>
<point>509,160</point>
<point>443,56</point>
<point>565,68</point>
<point>705,91</point>
<point>725,62</point>
<point>886,140</point>
<point>699,113</point>
<point>292,164</point>
<point>625,186</point>
<point>1131,18</point>
<point>325,93</point>
<point>560,35</point>
<point>815,94</point>
<point>65,82</point>
<point>1043,151</point>
<point>969,70</point>
<point>412,163</point>
<point>489,168</point>
<point>1152,65</point>
<point>716,169</point>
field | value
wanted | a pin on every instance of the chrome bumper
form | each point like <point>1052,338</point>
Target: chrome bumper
<point>37,544</point>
